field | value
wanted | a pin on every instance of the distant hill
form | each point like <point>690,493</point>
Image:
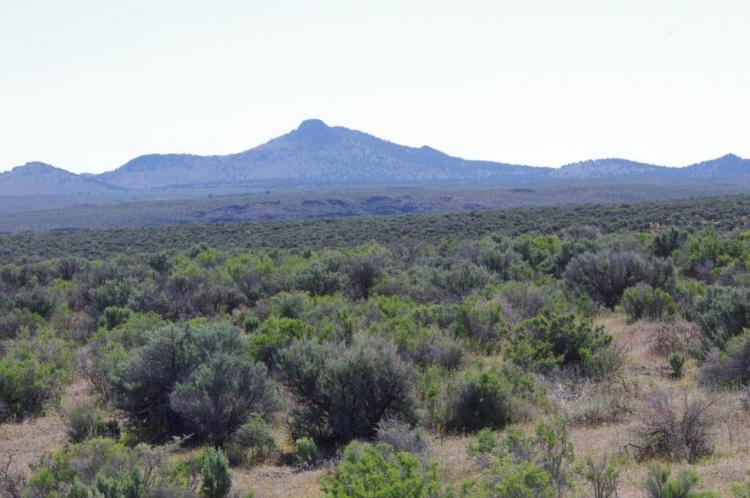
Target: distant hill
<point>612,168</point>
<point>42,179</point>
<point>316,155</point>
<point>724,167</point>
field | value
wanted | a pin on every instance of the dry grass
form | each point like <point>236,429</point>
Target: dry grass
<point>269,481</point>
<point>29,440</point>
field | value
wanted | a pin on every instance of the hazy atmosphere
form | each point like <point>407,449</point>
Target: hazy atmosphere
<point>89,85</point>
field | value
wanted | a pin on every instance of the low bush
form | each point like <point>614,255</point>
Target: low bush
<point>677,336</point>
<point>658,484</point>
<point>722,313</point>
<point>378,471</point>
<point>741,490</point>
<point>504,477</point>
<point>401,436</point>
<point>461,279</point>
<point>667,242</point>
<point>479,322</point>
<point>730,367</point>
<point>553,340</point>
<point>217,478</point>
<point>676,363</point>
<point>674,430</point>
<point>317,280</point>
<point>272,335</point>
<point>441,350</point>
<point>252,443</point>
<point>597,408</point>
<point>306,454</point>
<point>31,377</point>
<point>481,399</point>
<point>644,302</point>
<point>113,317</point>
<point>603,476</point>
<point>535,465</point>
<point>84,421</point>
<point>103,468</point>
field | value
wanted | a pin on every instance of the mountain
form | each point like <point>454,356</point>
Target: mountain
<point>314,154</point>
<point>612,168</point>
<point>724,167</point>
<point>37,178</point>
<point>317,155</point>
<point>729,166</point>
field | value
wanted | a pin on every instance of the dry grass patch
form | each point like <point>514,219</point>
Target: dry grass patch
<point>269,481</point>
<point>27,441</point>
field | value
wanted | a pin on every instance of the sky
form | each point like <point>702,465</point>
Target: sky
<point>87,85</point>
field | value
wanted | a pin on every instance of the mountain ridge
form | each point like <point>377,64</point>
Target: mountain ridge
<point>317,155</point>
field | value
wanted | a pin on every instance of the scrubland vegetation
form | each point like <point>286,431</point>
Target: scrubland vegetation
<point>544,353</point>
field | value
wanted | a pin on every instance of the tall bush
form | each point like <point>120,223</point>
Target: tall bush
<point>193,379</point>
<point>604,276</point>
<point>343,393</point>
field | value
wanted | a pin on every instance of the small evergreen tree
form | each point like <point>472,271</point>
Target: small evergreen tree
<point>217,478</point>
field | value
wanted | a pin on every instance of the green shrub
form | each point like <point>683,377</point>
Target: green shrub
<point>479,322</point>
<point>82,421</point>
<point>252,443</point>
<point>643,301</point>
<point>517,480</point>
<point>481,399</point>
<point>722,313</point>
<point>30,378</point>
<point>462,278</point>
<point>741,490</point>
<point>707,250</point>
<point>217,478</point>
<point>306,453</point>
<point>122,485</point>
<point>521,465</point>
<point>377,471</point>
<point>274,334</point>
<point>104,468</point>
<point>343,392</point>
<point>658,484</point>
<point>667,242</point>
<point>114,316</point>
<point>551,340</point>
<point>676,363</point>
<point>317,280</point>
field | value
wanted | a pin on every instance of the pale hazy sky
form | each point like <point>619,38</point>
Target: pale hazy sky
<point>87,85</point>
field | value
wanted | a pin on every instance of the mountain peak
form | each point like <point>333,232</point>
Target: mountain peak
<point>35,167</point>
<point>314,131</point>
<point>312,125</point>
<point>38,178</point>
